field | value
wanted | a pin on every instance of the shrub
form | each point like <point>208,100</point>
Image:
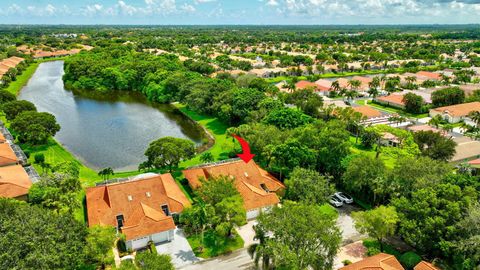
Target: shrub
<point>373,247</point>
<point>410,259</point>
<point>346,262</point>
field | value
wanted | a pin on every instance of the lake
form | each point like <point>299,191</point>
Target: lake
<point>105,130</point>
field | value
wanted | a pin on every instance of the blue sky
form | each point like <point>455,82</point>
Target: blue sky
<point>239,11</point>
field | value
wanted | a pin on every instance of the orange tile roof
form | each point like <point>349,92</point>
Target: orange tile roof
<point>380,261</point>
<point>139,201</point>
<point>248,179</point>
<point>429,75</point>
<point>306,85</point>
<point>14,181</point>
<point>459,109</point>
<point>423,265</point>
<point>7,156</point>
<point>2,138</point>
<point>367,111</point>
<point>393,98</point>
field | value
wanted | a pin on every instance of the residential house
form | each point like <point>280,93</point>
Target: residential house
<point>257,187</point>
<point>423,265</point>
<point>368,111</point>
<point>455,113</point>
<point>388,139</point>
<point>380,261</point>
<point>427,128</point>
<point>14,182</point>
<point>140,208</point>
<point>365,82</point>
<point>393,100</point>
<point>429,75</point>
<point>466,150</point>
<point>7,155</point>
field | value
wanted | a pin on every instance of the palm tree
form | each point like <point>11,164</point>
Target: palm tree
<point>475,116</point>
<point>350,95</point>
<point>260,251</point>
<point>354,84</point>
<point>445,79</point>
<point>105,173</point>
<point>436,121</point>
<point>336,86</point>
<point>411,79</point>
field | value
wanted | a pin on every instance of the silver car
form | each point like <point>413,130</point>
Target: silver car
<point>345,198</point>
<point>335,201</point>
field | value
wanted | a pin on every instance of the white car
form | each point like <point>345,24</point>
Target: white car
<point>345,198</point>
<point>335,201</point>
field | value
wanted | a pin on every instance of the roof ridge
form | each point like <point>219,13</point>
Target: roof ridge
<point>255,189</point>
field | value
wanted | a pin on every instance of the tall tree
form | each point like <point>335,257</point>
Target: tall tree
<point>100,241</point>
<point>168,152</point>
<point>308,186</point>
<point>378,223</point>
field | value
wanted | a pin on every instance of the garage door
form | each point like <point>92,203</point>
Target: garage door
<point>252,214</point>
<point>140,243</point>
<point>160,237</point>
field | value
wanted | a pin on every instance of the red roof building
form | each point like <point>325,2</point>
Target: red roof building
<point>141,209</point>
<point>380,261</point>
<point>256,186</point>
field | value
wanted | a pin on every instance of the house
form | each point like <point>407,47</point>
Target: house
<point>429,75</point>
<point>368,111</point>
<point>14,182</point>
<point>393,100</point>
<point>466,149</point>
<point>257,187</point>
<point>306,85</point>
<point>365,82</point>
<point>423,265</point>
<point>388,139</point>
<point>455,113</point>
<point>427,128</point>
<point>7,155</point>
<point>380,261</point>
<point>140,208</point>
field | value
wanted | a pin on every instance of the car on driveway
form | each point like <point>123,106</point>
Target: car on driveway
<point>335,201</point>
<point>345,198</point>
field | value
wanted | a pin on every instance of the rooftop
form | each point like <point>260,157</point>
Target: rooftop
<point>459,109</point>
<point>14,181</point>
<point>380,261</point>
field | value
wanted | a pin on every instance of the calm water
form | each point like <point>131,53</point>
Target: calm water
<point>112,130</point>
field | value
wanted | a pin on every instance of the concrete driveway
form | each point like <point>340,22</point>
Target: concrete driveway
<point>347,225</point>
<point>237,260</point>
<point>247,233</point>
<point>178,249</point>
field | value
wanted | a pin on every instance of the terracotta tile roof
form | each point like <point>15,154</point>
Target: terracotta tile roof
<point>7,156</point>
<point>423,265</point>
<point>474,162</point>
<point>367,111</point>
<point>14,181</point>
<point>380,261</point>
<point>392,99</point>
<point>429,75</point>
<point>306,85</point>
<point>248,180</point>
<point>459,109</point>
<point>139,201</point>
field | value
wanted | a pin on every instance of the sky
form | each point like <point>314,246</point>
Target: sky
<point>261,12</point>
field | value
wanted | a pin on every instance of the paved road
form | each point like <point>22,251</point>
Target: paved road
<point>236,260</point>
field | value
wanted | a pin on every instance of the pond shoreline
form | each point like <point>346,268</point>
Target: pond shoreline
<point>206,143</point>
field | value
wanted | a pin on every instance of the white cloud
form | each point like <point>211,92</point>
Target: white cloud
<point>272,3</point>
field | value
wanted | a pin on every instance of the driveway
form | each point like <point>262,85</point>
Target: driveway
<point>347,225</point>
<point>178,249</point>
<point>237,260</point>
<point>247,233</point>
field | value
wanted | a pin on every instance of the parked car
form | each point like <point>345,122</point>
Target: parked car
<point>345,198</point>
<point>335,201</point>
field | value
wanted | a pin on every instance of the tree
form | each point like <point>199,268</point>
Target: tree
<point>106,173</point>
<point>468,245</point>
<point>34,127</point>
<point>154,261</point>
<point>307,101</point>
<point>378,223</point>
<point>369,137</point>
<point>286,118</point>
<point>35,238</point>
<point>225,199</point>
<point>299,236</point>
<point>15,107</point>
<point>365,177</point>
<point>433,209</point>
<point>413,103</point>
<point>475,116</point>
<point>6,96</point>
<point>206,157</point>
<point>99,245</point>
<point>448,96</point>
<point>308,186</point>
<point>168,152</point>
<point>435,145</point>
<point>198,218</point>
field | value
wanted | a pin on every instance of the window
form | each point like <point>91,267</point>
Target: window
<point>165,209</point>
<point>264,187</point>
<point>119,221</point>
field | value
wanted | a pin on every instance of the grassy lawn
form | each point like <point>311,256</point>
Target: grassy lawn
<point>214,245</point>
<point>22,79</point>
<point>361,102</point>
<point>357,148</point>
<point>396,110</point>
<point>216,128</point>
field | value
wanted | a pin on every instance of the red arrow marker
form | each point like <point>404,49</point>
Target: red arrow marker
<point>246,156</point>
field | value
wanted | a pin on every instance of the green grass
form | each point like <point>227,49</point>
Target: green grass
<point>396,110</point>
<point>214,245</point>
<point>358,148</point>
<point>361,102</point>
<point>223,144</point>
<point>22,79</point>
